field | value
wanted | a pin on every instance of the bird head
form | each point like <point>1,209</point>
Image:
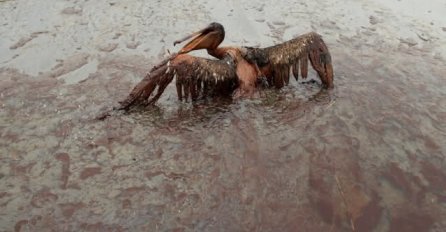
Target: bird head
<point>207,38</point>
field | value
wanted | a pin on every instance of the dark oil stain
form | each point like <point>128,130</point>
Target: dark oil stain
<point>434,175</point>
<point>43,198</point>
<point>89,172</point>
<point>64,158</point>
<point>411,222</point>
<point>68,209</point>
<point>18,226</point>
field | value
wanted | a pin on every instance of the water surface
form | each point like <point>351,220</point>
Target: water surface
<point>368,155</point>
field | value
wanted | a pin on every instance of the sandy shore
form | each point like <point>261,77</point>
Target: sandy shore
<point>47,33</point>
<point>368,155</point>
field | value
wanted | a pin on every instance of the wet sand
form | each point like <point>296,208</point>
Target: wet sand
<point>366,156</point>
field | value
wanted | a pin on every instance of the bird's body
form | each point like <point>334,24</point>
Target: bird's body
<point>236,70</point>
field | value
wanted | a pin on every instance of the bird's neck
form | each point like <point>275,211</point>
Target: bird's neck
<point>218,53</point>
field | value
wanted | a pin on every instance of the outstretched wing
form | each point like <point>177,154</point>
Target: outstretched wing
<point>195,77</point>
<point>276,62</point>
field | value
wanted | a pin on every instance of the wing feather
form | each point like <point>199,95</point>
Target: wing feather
<point>294,53</point>
<point>218,77</point>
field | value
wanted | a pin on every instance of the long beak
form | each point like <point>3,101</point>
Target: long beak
<point>201,39</point>
<point>190,36</point>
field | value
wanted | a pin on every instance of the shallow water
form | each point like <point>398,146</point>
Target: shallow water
<point>366,156</point>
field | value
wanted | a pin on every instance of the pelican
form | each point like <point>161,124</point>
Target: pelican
<point>235,71</point>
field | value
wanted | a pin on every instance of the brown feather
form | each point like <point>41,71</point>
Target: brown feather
<point>144,88</point>
<point>304,66</point>
<point>296,69</point>
<point>179,90</point>
<point>295,53</point>
<point>278,81</point>
<point>189,72</point>
<point>247,75</point>
<point>286,74</point>
<point>329,75</point>
<point>199,87</point>
<point>193,90</point>
<point>186,90</point>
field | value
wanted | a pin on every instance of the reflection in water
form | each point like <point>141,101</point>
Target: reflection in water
<point>190,114</point>
<point>322,97</point>
<point>180,115</point>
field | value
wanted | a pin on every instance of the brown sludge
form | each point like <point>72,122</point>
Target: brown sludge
<point>281,161</point>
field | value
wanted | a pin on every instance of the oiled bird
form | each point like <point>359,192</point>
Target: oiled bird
<point>237,70</point>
